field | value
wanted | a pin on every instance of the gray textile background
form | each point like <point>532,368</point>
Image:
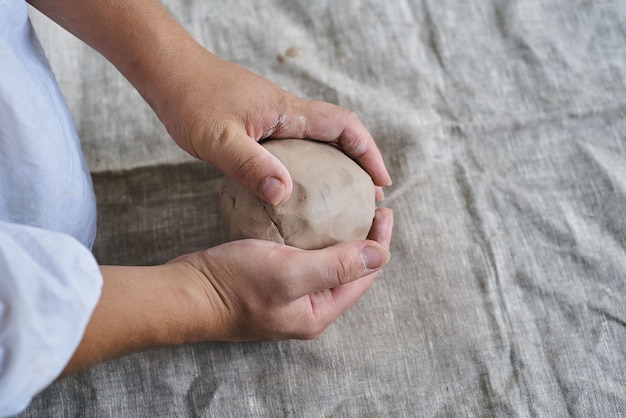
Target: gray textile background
<point>503,124</point>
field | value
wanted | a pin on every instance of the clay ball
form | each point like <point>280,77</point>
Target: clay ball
<point>333,199</point>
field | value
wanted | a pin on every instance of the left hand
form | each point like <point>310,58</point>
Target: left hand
<point>221,111</point>
<point>214,109</point>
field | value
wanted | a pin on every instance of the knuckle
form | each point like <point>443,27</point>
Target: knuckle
<point>343,270</point>
<point>246,167</point>
<point>206,138</point>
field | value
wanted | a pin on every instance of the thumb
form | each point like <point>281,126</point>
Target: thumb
<point>250,164</point>
<point>335,266</point>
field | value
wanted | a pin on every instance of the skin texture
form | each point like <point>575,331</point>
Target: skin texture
<point>332,199</point>
<point>217,111</point>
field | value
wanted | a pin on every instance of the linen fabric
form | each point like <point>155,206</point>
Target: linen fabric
<point>503,124</point>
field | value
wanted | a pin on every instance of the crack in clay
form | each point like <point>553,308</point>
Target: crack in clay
<point>276,225</point>
<point>228,195</point>
<point>224,191</point>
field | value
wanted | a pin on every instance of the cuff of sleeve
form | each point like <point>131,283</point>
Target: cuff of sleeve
<point>49,286</point>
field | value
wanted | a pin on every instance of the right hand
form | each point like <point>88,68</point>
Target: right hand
<point>260,290</point>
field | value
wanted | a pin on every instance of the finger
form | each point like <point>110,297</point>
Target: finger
<point>382,227</point>
<point>342,263</point>
<point>380,194</point>
<point>330,123</point>
<point>250,164</point>
<point>333,266</point>
<point>327,306</point>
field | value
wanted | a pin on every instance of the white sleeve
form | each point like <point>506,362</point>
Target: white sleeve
<point>49,285</point>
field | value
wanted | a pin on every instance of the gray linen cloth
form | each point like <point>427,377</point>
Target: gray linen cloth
<point>503,124</point>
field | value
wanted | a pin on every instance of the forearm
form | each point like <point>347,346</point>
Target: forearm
<point>139,37</point>
<point>141,308</point>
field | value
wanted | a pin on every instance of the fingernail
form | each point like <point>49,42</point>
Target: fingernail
<point>273,190</point>
<point>374,258</point>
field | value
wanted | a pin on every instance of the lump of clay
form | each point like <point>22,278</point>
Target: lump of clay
<point>333,199</point>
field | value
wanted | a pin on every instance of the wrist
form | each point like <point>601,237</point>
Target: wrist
<point>140,308</point>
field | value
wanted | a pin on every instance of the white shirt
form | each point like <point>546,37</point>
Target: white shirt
<point>49,280</point>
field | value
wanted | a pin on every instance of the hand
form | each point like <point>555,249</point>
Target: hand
<point>258,290</point>
<point>240,291</point>
<point>214,109</point>
<point>220,111</point>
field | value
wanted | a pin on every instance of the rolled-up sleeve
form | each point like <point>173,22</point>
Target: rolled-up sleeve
<point>49,285</point>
